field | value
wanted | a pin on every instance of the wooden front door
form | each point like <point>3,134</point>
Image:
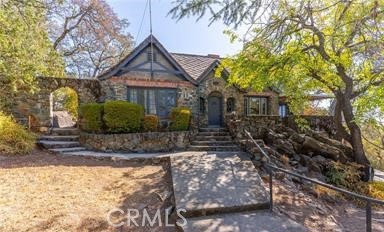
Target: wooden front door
<point>214,111</point>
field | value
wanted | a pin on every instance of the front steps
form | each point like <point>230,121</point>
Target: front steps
<point>213,139</point>
<point>61,140</point>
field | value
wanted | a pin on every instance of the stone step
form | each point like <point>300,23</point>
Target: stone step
<point>58,144</point>
<point>212,143</point>
<point>213,129</point>
<point>244,222</point>
<point>212,148</point>
<point>219,133</point>
<point>65,131</point>
<point>66,150</point>
<point>60,137</point>
<point>213,138</point>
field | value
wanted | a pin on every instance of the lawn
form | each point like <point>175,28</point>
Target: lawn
<point>45,192</point>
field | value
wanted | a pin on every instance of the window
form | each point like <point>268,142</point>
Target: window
<point>256,106</point>
<point>202,105</point>
<point>155,100</point>
<point>230,105</point>
<point>283,110</point>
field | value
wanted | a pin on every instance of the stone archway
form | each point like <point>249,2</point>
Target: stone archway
<point>35,108</point>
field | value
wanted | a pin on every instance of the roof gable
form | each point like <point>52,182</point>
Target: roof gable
<point>121,67</point>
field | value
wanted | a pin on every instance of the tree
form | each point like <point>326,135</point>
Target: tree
<point>305,46</point>
<point>25,49</point>
<point>88,34</point>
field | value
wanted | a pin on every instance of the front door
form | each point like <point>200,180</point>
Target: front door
<point>214,111</point>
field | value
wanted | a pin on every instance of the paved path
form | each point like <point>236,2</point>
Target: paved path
<point>226,187</point>
<point>138,156</point>
<point>242,222</point>
<point>379,175</point>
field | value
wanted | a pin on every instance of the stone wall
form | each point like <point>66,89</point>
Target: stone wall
<point>256,125</point>
<point>37,106</point>
<point>316,123</point>
<point>215,85</point>
<point>137,142</point>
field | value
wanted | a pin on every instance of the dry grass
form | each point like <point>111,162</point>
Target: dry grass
<point>321,209</point>
<point>44,192</point>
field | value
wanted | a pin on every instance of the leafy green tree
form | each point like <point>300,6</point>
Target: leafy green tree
<point>304,46</point>
<point>25,49</point>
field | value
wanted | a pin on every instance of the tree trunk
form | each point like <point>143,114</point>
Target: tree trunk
<point>356,139</point>
<point>341,132</point>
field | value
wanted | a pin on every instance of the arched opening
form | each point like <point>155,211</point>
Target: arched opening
<point>215,109</point>
<point>64,105</point>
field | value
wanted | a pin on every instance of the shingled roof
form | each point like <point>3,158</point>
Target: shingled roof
<point>197,66</point>
<point>193,67</point>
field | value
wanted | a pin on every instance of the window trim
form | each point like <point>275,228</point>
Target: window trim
<point>246,105</point>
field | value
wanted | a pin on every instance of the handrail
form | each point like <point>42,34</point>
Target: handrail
<point>271,167</point>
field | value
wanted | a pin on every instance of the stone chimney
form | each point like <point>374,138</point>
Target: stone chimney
<point>214,56</point>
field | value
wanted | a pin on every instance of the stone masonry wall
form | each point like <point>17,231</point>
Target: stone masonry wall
<point>137,142</point>
<point>37,106</point>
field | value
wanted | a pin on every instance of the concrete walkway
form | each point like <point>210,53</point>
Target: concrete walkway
<point>138,156</point>
<point>223,192</point>
<point>379,176</point>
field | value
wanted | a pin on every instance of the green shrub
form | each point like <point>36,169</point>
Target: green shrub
<point>91,117</point>
<point>123,117</point>
<point>151,123</point>
<point>14,138</point>
<point>180,117</point>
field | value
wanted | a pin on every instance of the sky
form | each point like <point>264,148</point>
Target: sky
<point>184,36</point>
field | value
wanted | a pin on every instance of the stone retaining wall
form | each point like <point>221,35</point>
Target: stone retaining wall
<point>137,142</point>
<point>255,124</point>
<point>316,123</point>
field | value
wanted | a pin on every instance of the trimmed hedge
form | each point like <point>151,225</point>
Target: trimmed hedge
<point>151,123</point>
<point>123,117</point>
<point>180,118</point>
<point>91,117</point>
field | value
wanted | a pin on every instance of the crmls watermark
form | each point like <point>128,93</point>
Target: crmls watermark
<point>135,217</point>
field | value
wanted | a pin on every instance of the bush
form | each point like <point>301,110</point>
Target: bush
<point>14,138</point>
<point>151,123</point>
<point>91,117</point>
<point>123,117</point>
<point>180,117</point>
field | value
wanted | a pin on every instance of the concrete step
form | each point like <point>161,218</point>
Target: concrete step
<point>212,143</point>
<point>213,148</point>
<point>213,138</point>
<point>65,131</point>
<point>244,222</point>
<point>60,137</point>
<point>58,144</point>
<point>217,183</point>
<point>217,133</point>
<point>65,150</point>
<point>213,129</point>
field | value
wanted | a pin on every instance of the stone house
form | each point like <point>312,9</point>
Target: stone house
<point>160,80</point>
